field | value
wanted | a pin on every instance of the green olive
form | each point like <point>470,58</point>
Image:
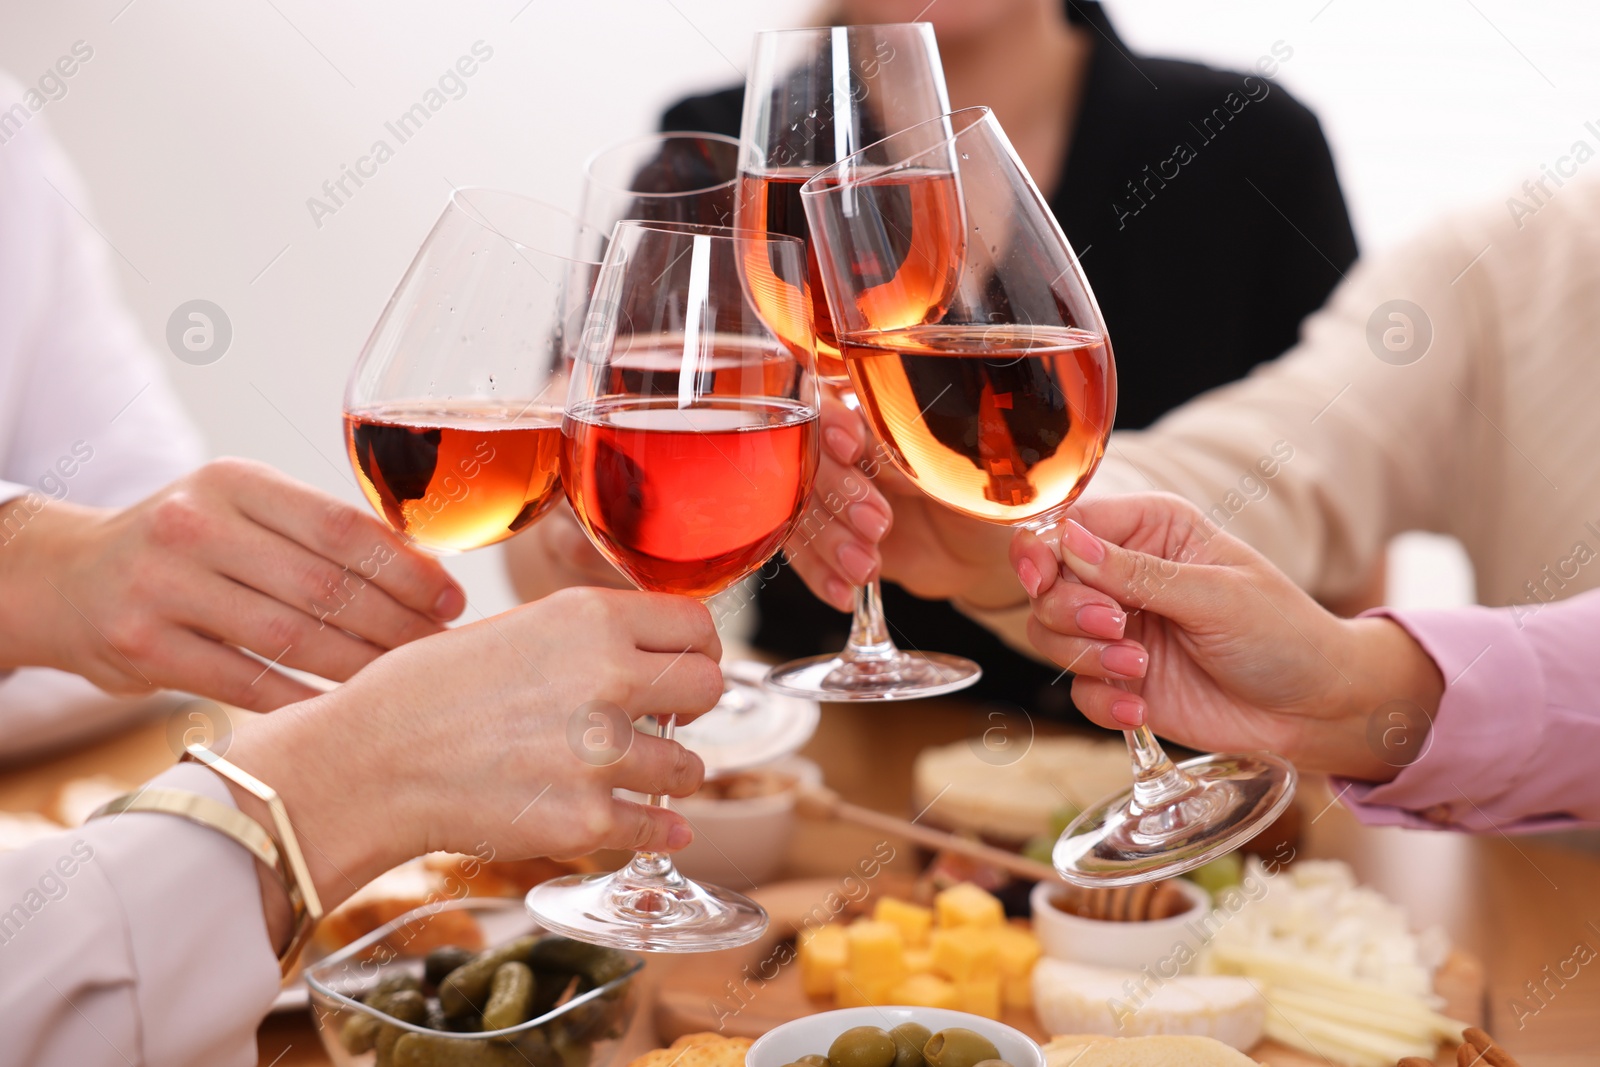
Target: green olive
<point>958,1047</point>
<point>992,1063</point>
<point>908,1041</point>
<point>813,1060</point>
<point>862,1046</point>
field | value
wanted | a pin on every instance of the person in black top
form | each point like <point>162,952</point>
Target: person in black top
<point>1203,206</point>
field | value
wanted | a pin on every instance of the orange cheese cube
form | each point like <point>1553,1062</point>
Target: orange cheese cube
<point>925,991</point>
<point>919,960</point>
<point>913,920</point>
<point>965,953</point>
<point>1018,951</point>
<point>823,953</point>
<point>967,905</point>
<point>876,952</point>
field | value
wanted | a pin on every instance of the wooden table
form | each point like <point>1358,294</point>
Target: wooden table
<point>1521,905</point>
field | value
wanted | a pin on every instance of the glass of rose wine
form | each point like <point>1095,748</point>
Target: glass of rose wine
<point>452,414</point>
<point>998,405</point>
<point>689,445</point>
<point>660,177</point>
<point>814,96</point>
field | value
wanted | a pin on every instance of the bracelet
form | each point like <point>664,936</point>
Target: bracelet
<point>303,899</point>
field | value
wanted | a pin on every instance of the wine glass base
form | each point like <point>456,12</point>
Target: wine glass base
<point>1234,798</point>
<point>602,909</point>
<point>898,676</point>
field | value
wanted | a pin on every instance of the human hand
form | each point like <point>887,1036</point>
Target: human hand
<point>1222,652</point>
<point>234,556</point>
<point>466,739</point>
<point>865,517</point>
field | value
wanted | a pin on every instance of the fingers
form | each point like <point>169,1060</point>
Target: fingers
<point>641,828</point>
<point>835,546</point>
<point>685,684</point>
<point>571,549</point>
<point>1123,660</point>
<point>341,533</point>
<point>329,597</point>
<point>656,765</point>
<point>1035,563</point>
<point>661,622</point>
<point>238,615</point>
<point>208,668</point>
<point>1183,592</point>
<point>1107,705</point>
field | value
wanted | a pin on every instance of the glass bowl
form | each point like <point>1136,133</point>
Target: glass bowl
<point>582,1032</point>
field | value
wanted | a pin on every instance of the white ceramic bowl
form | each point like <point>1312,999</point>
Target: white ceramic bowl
<point>740,843</point>
<point>814,1033</point>
<point>1126,945</point>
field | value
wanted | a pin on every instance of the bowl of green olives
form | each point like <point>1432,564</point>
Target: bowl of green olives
<point>529,999</point>
<point>894,1037</point>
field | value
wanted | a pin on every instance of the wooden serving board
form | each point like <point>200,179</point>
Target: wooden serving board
<point>745,992</point>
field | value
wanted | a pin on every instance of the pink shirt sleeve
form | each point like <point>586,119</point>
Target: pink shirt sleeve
<point>1512,746</point>
<point>134,940</point>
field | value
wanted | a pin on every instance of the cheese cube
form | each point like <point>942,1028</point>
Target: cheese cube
<point>823,953</point>
<point>967,905</point>
<point>1018,950</point>
<point>965,953</point>
<point>925,991</point>
<point>852,991</point>
<point>1017,992</point>
<point>980,996</point>
<point>913,920</point>
<point>919,960</point>
<point>876,952</point>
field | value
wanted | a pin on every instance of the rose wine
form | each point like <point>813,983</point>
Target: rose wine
<point>459,477</point>
<point>721,365</point>
<point>688,500</point>
<point>911,272</point>
<point>1004,423</point>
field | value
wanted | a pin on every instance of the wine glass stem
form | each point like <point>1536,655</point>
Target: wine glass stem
<point>1156,779</point>
<point>657,865</point>
<point>869,632</point>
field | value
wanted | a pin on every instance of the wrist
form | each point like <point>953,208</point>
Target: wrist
<point>1385,714</point>
<point>39,543</point>
<point>345,827</point>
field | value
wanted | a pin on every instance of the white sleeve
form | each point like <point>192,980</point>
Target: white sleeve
<point>134,940</point>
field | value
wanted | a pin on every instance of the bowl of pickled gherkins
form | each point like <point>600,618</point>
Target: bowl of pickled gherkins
<point>894,1036</point>
<point>527,999</point>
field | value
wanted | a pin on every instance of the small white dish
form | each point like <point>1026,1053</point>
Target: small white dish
<point>742,843</point>
<point>812,1034</point>
<point>1162,943</point>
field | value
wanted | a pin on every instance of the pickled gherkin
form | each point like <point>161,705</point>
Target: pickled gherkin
<point>426,1050</point>
<point>441,961</point>
<point>465,990</point>
<point>510,996</point>
<point>408,1006</point>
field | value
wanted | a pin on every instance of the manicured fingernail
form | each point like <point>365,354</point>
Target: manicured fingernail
<point>869,521</point>
<point>451,602</point>
<point>841,445</point>
<point>1101,620</point>
<point>838,594</point>
<point>1124,660</point>
<point>1083,544</point>
<point>679,836</point>
<point>1128,712</point>
<point>1030,577</point>
<point>857,563</point>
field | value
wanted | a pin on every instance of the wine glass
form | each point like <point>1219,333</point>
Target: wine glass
<point>689,445</point>
<point>999,407</point>
<point>452,414</point>
<point>659,177</point>
<point>813,97</point>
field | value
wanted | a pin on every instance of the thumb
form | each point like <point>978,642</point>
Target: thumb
<point>642,828</point>
<point>1035,563</point>
<point>1187,593</point>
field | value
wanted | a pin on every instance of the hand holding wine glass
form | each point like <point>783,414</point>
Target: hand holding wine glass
<point>689,450</point>
<point>998,406</point>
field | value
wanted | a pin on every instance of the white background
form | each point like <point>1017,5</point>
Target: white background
<point>202,127</point>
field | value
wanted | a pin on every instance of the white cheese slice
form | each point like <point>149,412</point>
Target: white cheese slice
<point>1072,998</point>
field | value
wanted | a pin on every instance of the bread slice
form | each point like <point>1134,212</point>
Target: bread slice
<point>1094,1050</point>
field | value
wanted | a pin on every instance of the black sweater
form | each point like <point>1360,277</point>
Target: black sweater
<point>1205,210</point>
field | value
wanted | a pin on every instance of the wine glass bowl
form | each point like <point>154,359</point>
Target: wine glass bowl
<point>998,404</point>
<point>452,412</point>
<point>814,96</point>
<point>689,450</point>
<point>660,177</point>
